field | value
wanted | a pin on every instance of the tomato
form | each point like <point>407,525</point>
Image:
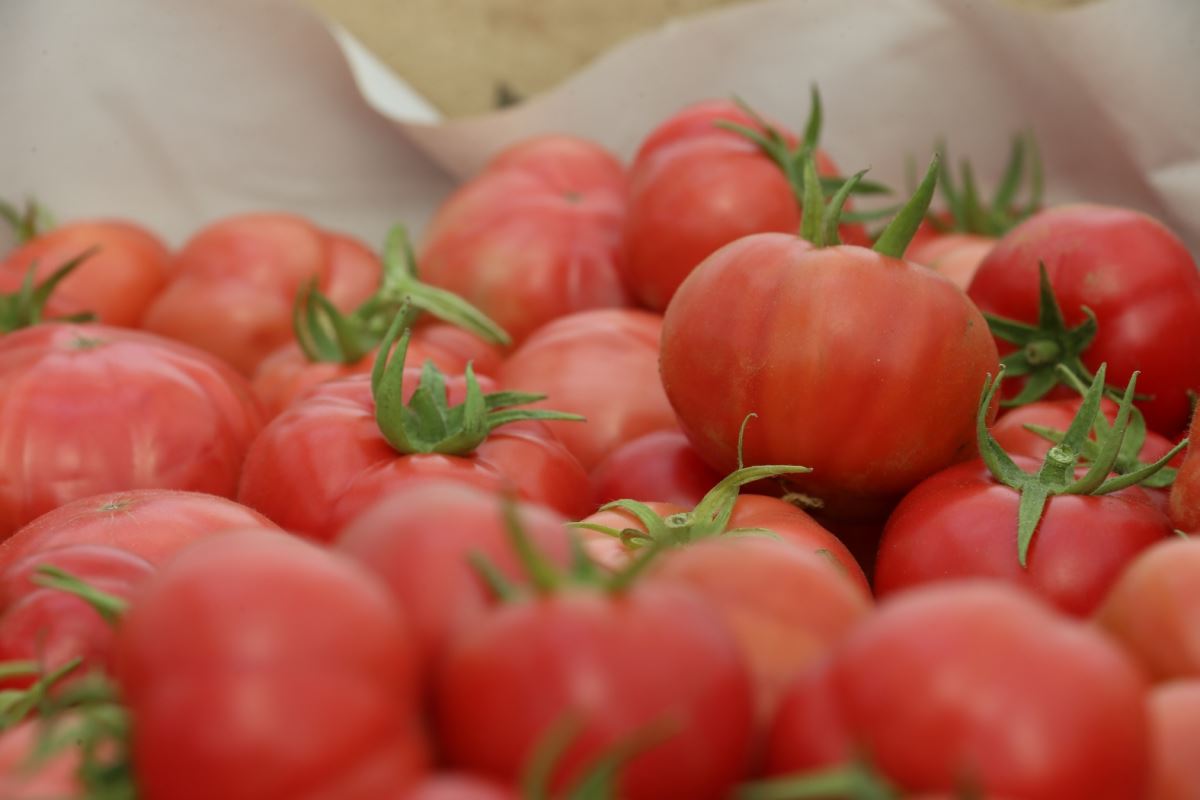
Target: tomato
<point>258,666</point>
<point>535,236</point>
<point>1185,495</point>
<point>576,361</point>
<point>324,460</point>
<point>659,466</point>
<point>977,682</point>
<point>117,282</point>
<point>955,255</point>
<point>233,284</point>
<point>51,627</point>
<point>962,522</point>
<point>91,409</point>
<point>695,187</point>
<point>287,373</point>
<point>755,512</point>
<point>1153,607</point>
<point>1132,272</point>
<point>1175,722</point>
<point>786,606</point>
<point>652,658</point>
<point>22,779</point>
<point>152,524</point>
<point>833,348</point>
<point>419,540</point>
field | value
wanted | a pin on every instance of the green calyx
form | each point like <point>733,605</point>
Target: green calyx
<point>27,223</point>
<point>895,238</point>
<point>709,518</point>
<point>791,159</point>
<point>325,334</point>
<point>854,781</point>
<point>543,577</point>
<point>1057,473</point>
<point>25,307</point>
<point>970,214</point>
<point>1046,348</point>
<point>108,606</point>
<point>427,423</point>
<point>1128,456</point>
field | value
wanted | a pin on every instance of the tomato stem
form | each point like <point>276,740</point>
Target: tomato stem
<point>25,307</point>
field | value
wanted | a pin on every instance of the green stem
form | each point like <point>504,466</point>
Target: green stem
<point>108,606</point>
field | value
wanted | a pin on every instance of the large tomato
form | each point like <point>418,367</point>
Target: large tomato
<point>535,236</point>
<point>324,460</point>
<point>962,522</point>
<point>974,683</point>
<point>91,409</point>
<point>233,284</point>
<point>1134,274</point>
<point>260,667</point>
<point>695,187</point>
<point>651,659</point>
<point>126,271</point>
<point>1185,495</point>
<point>833,348</point>
<point>576,361</point>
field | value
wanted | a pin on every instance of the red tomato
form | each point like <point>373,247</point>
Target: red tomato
<point>754,511</point>
<point>695,187</point>
<point>535,236</point>
<point>234,284</point>
<point>419,540</point>
<point>1153,607</point>
<point>260,667</point>
<point>657,466</point>
<point>323,460</point>
<point>1134,273</point>
<point>153,524</point>
<point>1175,724</point>
<point>91,409</point>
<point>955,255</point>
<point>51,627</point>
<point>116,283</point>
<point>786,606</point>
<point>21,778</point>
<point>833,348</point>
<point>962,522</point>
<point>286,374</point>
<point>652,656</point>
<point>973,681</point>
<point>576,361</point>
<point>1185,494</point>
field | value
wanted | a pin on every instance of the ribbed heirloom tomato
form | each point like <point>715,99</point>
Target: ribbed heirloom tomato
<point>833,348</point>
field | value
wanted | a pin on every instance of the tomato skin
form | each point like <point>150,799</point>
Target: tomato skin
<point>152,524</point>
<point>116,283</point>
<point>90,409</point>
<point>419,539</point>
<point>1175,721</point>
<point>52,778</point>
<point>535,236</point>
<point>450,786</point>
<point>282,377</point>
<point>787,607</point>
<point>694,188</point>
<point>576,360</point>
<point>661,465</point>
<point>1153,606</point>
<point>1185,494</point>
<point>323,460</point>
<point>817,343</point>
<point>234,284</point>
<point>307,637</point>
<point>955,255</point>
<point>981,681</point>
<point>962,523</point>
<point>652,655</point>
<point>1134,273</point>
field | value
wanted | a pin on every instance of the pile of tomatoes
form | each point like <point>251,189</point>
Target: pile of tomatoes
<point>697,477</point>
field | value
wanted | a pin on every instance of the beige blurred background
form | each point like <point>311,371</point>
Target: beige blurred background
<point>471,56</point>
